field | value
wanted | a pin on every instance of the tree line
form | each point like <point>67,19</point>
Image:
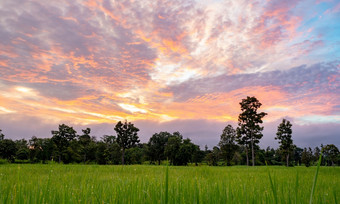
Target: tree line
<point>235,147</point>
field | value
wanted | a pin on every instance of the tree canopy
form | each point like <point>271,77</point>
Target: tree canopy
<point>249,131</point>
<point>127,136</point>
<point>284,135</point>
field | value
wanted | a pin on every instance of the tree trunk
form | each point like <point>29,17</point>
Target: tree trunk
<point>287,159</point>
<point>159,162</point>
<point>59,158</point>
<point>123,154</point>
<point>252,152</point>
<point>247,156</point>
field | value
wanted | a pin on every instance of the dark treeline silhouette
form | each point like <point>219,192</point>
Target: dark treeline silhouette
<point>234,148</point>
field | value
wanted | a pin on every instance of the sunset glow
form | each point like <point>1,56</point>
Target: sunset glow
<point>95,62</point>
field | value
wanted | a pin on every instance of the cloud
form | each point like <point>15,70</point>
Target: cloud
<point>94,62</point>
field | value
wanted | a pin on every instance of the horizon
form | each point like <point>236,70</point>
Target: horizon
<point>170,66</point>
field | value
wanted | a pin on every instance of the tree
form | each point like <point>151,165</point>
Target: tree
<point>84,141</point>
<point>249,131</point>
<point>112,151</point>
<point>330,153</point>
<point>297,155</point>
<point>213,157</point>
<point>172,147</point>
<point>22,149</point>
<point>284,135</point>
<point>62,138</point>
<point>227,144</point>
<point>156,146</point>
<point>2,136</point>
<point>198,155</point>
<point>186,150</point>
<point>8,149</point>
<point>307,156</point>
<point>127,136</point>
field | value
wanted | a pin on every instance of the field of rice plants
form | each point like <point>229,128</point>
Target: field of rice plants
<point>53,183</point>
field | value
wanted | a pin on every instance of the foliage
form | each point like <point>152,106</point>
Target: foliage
<point>227,144</point>
<point>213,157</point>
<point>2,136</point>
<point>284,135</point>
<point>161,146</point>
<point>127,136</point>
<point>172,147</point>
<point>330,153</point>
<point>62,138</point>
<point>8,149</point>
<point>307,156</point>
<point>156,146</point>
<point>249,131</point>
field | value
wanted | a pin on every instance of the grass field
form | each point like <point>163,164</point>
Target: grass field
<point>52,183</point>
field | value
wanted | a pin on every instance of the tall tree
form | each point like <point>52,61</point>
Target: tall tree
<point>284,135</point>
<point>227,144</point>
<point>249,130</point>
<point>127,136</point>
<point>156,146</point>
<point>62,138</point>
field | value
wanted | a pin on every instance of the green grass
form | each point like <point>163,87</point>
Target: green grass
<point>35,183</point>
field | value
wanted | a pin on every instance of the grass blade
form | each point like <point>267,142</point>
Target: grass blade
<point>272,185</point>
<point>296,187</point>
<point>315,179</point>
<point>166,184</point>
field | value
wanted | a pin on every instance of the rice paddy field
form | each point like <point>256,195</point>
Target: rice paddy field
<point>53,183</point>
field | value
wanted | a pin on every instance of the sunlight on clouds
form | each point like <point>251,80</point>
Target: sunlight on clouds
<point>169,74</point>
<point>23,89</point>
<point>132,108</point>
<point>317,119</point>
<point>4,110</point>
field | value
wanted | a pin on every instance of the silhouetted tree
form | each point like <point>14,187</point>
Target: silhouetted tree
<point>156,146</point>
<point>112,152</point>
<point>249,131</point>
<point>85,141</point>
<point>186,150</point>
<point>100,153</point>
<point>2,136</point>
<point>127,136</point>
<point>284,135</point>
<point>227,144</point>
<point>8,149</point>
<point>297,155</point>
<point>307,156</point>
<point>62,138</point>
<point>330,153</point>
<point>213,157</point>
<point>316,153</point>
<point>22,149</point>
<point>198,155</point>
<point>41,149</point>
<point>172,147</point>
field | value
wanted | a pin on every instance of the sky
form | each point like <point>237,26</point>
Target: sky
<point>170,65</point>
